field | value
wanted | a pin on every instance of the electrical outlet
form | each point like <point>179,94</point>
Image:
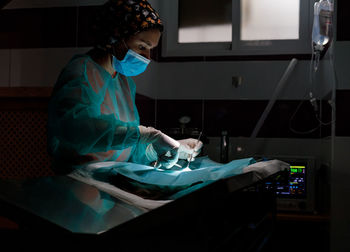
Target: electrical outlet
<point>237,81</point>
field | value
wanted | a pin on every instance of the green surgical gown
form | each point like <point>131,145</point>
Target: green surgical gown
<point>92,117</point>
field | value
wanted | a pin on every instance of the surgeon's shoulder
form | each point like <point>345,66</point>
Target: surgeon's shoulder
<point>74,68</point>
<point>78,63</point>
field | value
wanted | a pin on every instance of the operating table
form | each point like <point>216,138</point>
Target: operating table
<point>235,212</point>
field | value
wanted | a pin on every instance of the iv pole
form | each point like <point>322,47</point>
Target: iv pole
<point>272,101</point>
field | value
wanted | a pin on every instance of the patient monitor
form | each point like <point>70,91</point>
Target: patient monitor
<point>298,193</point>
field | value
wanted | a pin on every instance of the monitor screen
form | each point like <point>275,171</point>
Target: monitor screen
<point>296,186</point>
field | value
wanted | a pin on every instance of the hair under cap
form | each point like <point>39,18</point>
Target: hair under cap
<point>119,19</point>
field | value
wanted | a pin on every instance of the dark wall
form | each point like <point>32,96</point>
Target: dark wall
<point>343,10</point>
<point>70,27</point>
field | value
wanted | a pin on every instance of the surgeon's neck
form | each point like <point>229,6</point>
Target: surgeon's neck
<point>103,58</point>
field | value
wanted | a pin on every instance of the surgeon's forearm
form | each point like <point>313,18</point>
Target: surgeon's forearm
<point>87,135</point>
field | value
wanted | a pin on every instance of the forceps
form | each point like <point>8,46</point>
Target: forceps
<point>189,161</point>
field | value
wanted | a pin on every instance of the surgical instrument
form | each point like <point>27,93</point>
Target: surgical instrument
<point>190,159</point>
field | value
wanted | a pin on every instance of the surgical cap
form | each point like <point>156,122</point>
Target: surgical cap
<point>120,19</point>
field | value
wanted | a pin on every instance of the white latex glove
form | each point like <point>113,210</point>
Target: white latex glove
<point>161,148</point>
<point>189,147</point>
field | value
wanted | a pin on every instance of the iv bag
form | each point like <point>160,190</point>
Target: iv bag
<point>322,27</point>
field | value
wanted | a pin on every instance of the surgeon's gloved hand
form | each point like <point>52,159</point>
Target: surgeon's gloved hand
<point>189,148</point>
<point>161,148</point>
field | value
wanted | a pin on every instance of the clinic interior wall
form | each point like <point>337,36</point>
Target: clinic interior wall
<point>205,88</point>
<point>180,80</point>
<point>33,55</point>
<point>36,47</point>
<point>213,80</point>
<point>201,90</point>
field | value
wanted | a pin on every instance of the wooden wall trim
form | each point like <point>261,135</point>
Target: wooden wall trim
<point>9,92</point>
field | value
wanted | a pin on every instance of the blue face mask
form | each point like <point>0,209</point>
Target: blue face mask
<point>133,64</point>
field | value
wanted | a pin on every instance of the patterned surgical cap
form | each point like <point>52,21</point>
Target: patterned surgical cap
<point>119,19</point>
